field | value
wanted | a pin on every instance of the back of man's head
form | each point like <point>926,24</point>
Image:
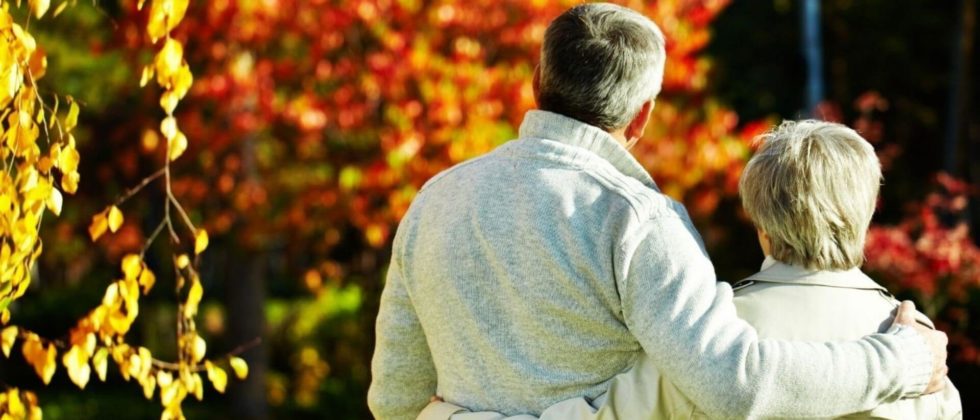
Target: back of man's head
<point>599,63</point>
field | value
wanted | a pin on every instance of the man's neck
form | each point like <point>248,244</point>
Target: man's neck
<point>620,136</point>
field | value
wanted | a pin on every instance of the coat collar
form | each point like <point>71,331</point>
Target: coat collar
<point>774,271</point>
<point>556,127</point>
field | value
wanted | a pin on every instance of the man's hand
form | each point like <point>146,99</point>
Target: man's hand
<point>936,340</point>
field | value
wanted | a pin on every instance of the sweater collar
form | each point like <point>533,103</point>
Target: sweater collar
<point>775,271</point>
<point>556,127</point>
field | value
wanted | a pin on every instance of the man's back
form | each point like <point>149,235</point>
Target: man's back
<point>509,264</point>
<point>536,273</point>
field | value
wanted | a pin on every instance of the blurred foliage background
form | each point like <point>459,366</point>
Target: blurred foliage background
<point>313,123</point>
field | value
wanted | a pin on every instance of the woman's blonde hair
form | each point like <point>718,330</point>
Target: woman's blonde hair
<point>812,188</point>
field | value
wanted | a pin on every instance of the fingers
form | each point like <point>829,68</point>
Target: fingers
<point>906,313</point>
<point>937,382</point>
<point>937,341</point>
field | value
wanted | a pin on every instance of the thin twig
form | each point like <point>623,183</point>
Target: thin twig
<point>152,238</point>
<point>183,214</point>
<point>159,364</point>
<point>132,191</point>
<point>37,94</point>
<point>166,205</point>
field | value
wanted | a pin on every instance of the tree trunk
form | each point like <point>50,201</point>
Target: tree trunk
<point>245,299</point>
<point>813,54</point>
<point>959,89</point>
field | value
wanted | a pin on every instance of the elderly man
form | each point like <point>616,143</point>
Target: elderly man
<point>536,273</point>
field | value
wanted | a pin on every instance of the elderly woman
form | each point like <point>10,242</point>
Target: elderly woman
<point>810,190</point>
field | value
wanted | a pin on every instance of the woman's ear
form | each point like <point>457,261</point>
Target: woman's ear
<point>764,242</point>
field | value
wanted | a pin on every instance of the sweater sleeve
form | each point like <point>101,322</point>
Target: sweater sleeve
<point>686,322</point>
<point>403,377</point>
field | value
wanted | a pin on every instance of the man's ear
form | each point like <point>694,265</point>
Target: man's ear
<point>636,127</point>
<point>536,84</point>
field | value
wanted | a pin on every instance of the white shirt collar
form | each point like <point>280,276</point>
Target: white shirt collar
<point>551,126</point>
<point>775,271</point>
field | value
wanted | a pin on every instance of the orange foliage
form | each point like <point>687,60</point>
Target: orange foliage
<point>321,120</point>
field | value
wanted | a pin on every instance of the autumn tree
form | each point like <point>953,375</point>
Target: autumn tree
<point>38,148</point>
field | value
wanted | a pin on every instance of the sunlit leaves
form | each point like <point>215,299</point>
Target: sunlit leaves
<point>100,362</point>
<point>164,16</point>
<point>17,404</point>
<point>183,261</point>
<point>55,201</point>
<point>217,376</point>
<point>8,336</point>
<point>200,241</point>
<point>34,140</point>
<point>131,266</point>
<point>75,361</point>
<point>40,356</point>
<point>72,118</point>
<point>61,8</point>
<point>110,219</point>
<point>115,218</point>
<point>194,298</point>
<point>240,367</point>
<point>176,145</point>
<point>39,161</point>
<point>39,7</point>
<point>168,61</point>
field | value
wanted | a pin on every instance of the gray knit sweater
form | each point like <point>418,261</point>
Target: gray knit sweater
<point>535,273</point>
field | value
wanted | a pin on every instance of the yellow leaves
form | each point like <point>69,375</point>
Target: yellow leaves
<point>131,266</point>
<point>240,367</point>
<point>168,127</point>
<point>147,279</point>
<point>98,226</point>
<point>76,363</point>
<point>71,120</point>
<point>200,241</point>
<point>146,75</point>
<point>168,101</point>
<point>183,261</point>
<point>60,8</point>
<point>168,60</point>
<point>194,296</point>
<point>54,201</point>
<point>8,336</point>
<point>40,7</point>
<point>69,182</point>
<point>100,362</point>
<point>17,404</point>
<point>199,350</point>
<point>176,146</point>
<point>164,16</point>
<point>196,386</point>
<point>149,385</point>
<point>109,219</point>
<point>115,218</point>
<point>41,357</point>
<point>217,376</point>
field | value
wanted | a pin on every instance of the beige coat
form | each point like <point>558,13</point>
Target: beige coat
<point>781,301</point>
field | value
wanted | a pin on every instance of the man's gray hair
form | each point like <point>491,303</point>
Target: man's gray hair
<point>812,188</point>
<point>599,63</point>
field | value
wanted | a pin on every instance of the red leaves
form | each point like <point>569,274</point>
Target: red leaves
<point>932,256</point>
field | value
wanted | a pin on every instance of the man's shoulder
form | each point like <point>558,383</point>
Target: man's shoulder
<point>642,200</point>
<point>459,167</point>
<point>645,202</point>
